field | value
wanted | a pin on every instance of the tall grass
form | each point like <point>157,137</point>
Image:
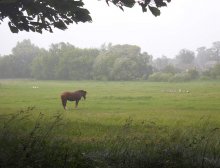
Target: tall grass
<point>37,145</point>
<point>40,144</point>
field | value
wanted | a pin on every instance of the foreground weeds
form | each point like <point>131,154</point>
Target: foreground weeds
<point>24,143</point>
<point>37,146</point>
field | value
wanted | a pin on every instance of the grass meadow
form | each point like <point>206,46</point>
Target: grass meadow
<point>120,124</point>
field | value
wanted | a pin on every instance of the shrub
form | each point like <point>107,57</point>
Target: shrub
<point>160,77</point>
<point>180,77</point>
<point>193,73</point>
<point>215,71</point>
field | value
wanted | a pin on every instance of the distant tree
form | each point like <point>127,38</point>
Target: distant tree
<point>202,57</point>
<point>77,64</point>
<point>6,67</point>
<point>105,47</point>
<point>104,62</point>
<point>18,64</point>
<point>161,63</point>
<point>65,61</point>
<point>39,67</point>
<point>207,57</point>
<point>145,67</point>
<point>185,56</point>
<point>23,55</point>
<point>36,15</point>
<point>216,51</point>
<point>124,69</point>
<point>45,66</point>
<point>122,62</point>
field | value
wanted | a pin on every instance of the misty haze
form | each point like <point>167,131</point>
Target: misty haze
<point>109,84</point>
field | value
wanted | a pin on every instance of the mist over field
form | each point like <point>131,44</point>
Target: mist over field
<point>134,84</point>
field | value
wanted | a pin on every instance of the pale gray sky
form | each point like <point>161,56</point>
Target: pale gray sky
<point>183,24</point>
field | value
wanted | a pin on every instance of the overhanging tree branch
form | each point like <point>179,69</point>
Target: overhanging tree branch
<point>38,15</point>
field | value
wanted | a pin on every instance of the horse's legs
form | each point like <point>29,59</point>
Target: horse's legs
<point>77,101</point>
<point>64,103</point>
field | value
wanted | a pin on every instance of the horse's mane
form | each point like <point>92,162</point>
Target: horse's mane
<point>81,91</point>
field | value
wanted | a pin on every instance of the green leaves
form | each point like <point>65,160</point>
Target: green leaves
<point>82,15</point>
<point>153,5</point>
<point>160,3</point>
<point>13,28</point>
<point>38,15</point>
<point>60,25</point>
<point>128,3</point>
<point>155,11</point>
<point>122,3</point>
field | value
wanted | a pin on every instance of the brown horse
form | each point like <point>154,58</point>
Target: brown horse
<point>72,96</point>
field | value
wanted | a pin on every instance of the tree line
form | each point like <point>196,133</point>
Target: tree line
<point>64,61</point>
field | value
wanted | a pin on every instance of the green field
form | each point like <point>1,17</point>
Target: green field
<point>111,103</point>
<point>145,111</point>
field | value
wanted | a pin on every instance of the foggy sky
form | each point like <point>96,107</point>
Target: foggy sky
<point>183,24</point>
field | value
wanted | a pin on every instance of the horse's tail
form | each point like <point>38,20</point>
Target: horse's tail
<point>63,99</point>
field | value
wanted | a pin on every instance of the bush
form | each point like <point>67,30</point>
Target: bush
<point>181,77</point>
<point>212,73</point>
<point>215,71</point>
<point>160,77</point>
<point>193,73</point>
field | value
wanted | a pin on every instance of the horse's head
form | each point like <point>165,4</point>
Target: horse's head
<point>84,94</point>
